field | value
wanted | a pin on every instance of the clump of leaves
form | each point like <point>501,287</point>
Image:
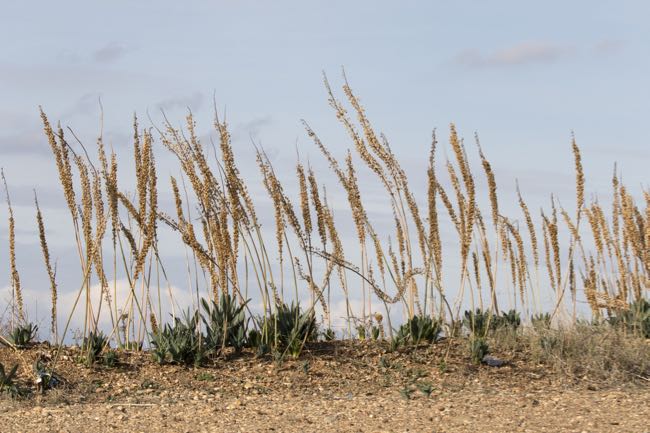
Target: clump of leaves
<point>478,348</point>
<point>418,329</point>
<point>179,343</point>
<point>110,359</point>
<point>7,380</point>
<point>285,331</point>
<point>635,319</point>
<point>425,388</point>
<point>510,320</point>
<point>93,345</point>
<point>225,323</point>
<point>205,377</point>
<point>479,322</point>
<point>23,335</point>
<point>541,321</point>
<point>258,342</point>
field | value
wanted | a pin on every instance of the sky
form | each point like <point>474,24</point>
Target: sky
<point>523,75</point>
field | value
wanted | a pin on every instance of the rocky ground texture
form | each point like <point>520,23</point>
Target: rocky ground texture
<point>333,387</point>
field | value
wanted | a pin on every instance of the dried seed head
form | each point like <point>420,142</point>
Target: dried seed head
<point>435,244</point>
<point>492,185</point>
<point>580,180</point>
<point>48,266</point>
<point>15,277</point>
<point>530,226</point>
<point>318,207</point>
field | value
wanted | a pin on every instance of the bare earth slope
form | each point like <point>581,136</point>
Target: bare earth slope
<point>336,387</point>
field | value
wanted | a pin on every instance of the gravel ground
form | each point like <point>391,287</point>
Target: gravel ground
<point>490,410</point>
<point>339,389</point>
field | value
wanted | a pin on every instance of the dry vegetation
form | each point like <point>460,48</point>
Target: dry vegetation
<point>585,254</point>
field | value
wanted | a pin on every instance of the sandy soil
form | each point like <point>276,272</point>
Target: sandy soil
<point>336,387</point>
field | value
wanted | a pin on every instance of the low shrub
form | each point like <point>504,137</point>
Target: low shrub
<point>478,348</point>
<point>418,329</point>
<point>225,323</point>
<point>285,331</point>
<point>93,345</point>
<point>23,335</point>
<point>479,322</point>
<point>541,321</point>
<point>635,319</point>
<point>606,354</point>
<point>510,319</point>
<point>7,380</point>
<point>179,343</point>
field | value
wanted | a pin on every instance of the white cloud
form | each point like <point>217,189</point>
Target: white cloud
<point>520,54</point>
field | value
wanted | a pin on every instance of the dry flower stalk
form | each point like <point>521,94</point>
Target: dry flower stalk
<point>48,266</point>
<point>15,277</point>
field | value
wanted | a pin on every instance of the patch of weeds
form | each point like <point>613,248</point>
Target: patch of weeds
<point>425,388</point>
<point>375,332</point>
<point>180,343</point>
<point>479,322</point>
<point>635,319</point>
<point>7,380</point>
<point>92,347</point>
<point>406,392</point>
<point>603,353</point>
<point>478,348</point>
<point>509,320</point>
<point>110,359</point>
<point>541,321</point>
<point>420,373</point>
<point>305,367</point>
<point>416,330</point>
<point>225,323</point>
<point>23,335</point>
<point>258,343</point>
<point>285,331</point>
<point>442,366</point>
<point>204,376</point>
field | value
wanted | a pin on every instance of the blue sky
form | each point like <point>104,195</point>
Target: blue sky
<point>521,74</point>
